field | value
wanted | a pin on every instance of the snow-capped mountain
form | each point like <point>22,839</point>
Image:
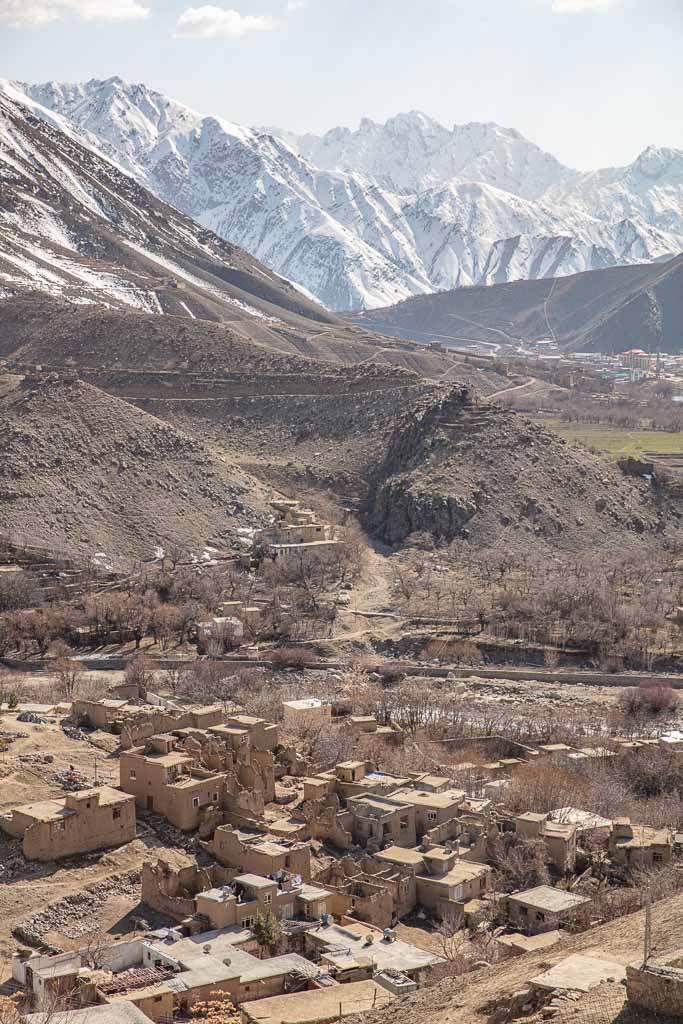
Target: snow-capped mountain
<point>366,218</point>
<point>414,153</point>
<point>76,226</point>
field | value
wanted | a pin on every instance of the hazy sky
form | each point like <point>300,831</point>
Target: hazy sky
<point>593,81</point>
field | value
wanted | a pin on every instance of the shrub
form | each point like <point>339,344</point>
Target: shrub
<point>649,700</point>
<point>293,657</point>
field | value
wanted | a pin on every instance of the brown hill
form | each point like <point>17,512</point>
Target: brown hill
<point>601,310</point>
<point>454,468</point>
<point>83,472</point>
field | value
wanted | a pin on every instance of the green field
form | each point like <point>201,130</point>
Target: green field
<point>615,441</point>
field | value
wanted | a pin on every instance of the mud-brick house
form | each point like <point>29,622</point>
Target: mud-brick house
<point>544,909</point>
<point>259,853</point>
<point>639,845</point>
<point>171,782</point>
<point>90,819</point>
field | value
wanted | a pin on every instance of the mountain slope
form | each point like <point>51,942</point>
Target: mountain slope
<point>368,218</point>
<point>73,224</point>
<point>82,472</point>
<point>251,189</point>
<point>602,311</point>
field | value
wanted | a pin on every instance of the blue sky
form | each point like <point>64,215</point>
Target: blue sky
<point>593,81</point>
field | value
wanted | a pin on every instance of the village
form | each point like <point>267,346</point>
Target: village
<point>297,878</point>
<point>319,863</point>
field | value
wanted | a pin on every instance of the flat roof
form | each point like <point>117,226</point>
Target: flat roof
<point>45,810</point>
<point>545,897</point>
<point>322,1004</point>
<point>270,848</point>
<point>305,704</point>
<point>120,1012</point>
<point>579,974</point>
<point>253,881</point>
<point>278,965</point>
<point>311,893</point>
<point>222,941</point>
<point>347,944</point>
<point>51,810</point>
<point>374,802</point>
<point>424,798</point>
<point>576,816</point>
<point>400,855</point>
<point>529,943</point>
<point>168,760</point>
<point>462,871</point>
<point>433,780</point>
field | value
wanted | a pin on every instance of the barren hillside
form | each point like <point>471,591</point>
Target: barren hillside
<point>86,472</point>
<point>472,998</point>
<point>455,468</point>
<point>601,310</point>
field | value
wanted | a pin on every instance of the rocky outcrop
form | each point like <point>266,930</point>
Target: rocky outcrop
<point>457,468</point>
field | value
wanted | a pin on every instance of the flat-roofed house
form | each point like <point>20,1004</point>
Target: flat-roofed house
<point>353,947</point>
<point>90,819</point>
<point>545,909</point>
<point>308,712</point>
<point>559,838</point>
<point>639,845</point>
<point>444,883</point>
<point>431,808</point>
<point>261,854</point>
<point>382,821</point>
<point>171,782</point>
<point>325,1003</point>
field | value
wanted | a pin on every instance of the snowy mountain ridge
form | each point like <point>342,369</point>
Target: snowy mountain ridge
<point>365,218</point>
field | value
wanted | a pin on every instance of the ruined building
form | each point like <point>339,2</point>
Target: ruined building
<point>202,778</point>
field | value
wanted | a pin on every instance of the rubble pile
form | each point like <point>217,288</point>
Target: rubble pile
<point>76,914</point>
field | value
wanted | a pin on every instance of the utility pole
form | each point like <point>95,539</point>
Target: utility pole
<point>647,944</point>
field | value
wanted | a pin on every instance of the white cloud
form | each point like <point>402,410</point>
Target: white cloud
<point>580,6</point>
<point>210,22</point>
<point>19,13</point>
<point>295,5</point>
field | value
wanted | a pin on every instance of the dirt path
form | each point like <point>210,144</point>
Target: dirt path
<point>517,387</point>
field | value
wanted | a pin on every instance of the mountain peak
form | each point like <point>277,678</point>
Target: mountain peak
<point>657,162</point>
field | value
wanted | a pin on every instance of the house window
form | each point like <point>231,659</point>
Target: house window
<point>268,898</point>
<point>215,797</point>
<point>523,911</point>
<point>657,858</point>
<point>60,826</point>
<point>404,824</point>
<point>157,999</point>
<point>247,922</point>
<point>195,801</point>
<point>432,815</point>
<point>540,917</point>
<point>87,806</point>
<point>116,812</point>
<point>133,774</point>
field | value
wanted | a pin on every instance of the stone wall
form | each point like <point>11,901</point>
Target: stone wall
<point>657,987</point>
